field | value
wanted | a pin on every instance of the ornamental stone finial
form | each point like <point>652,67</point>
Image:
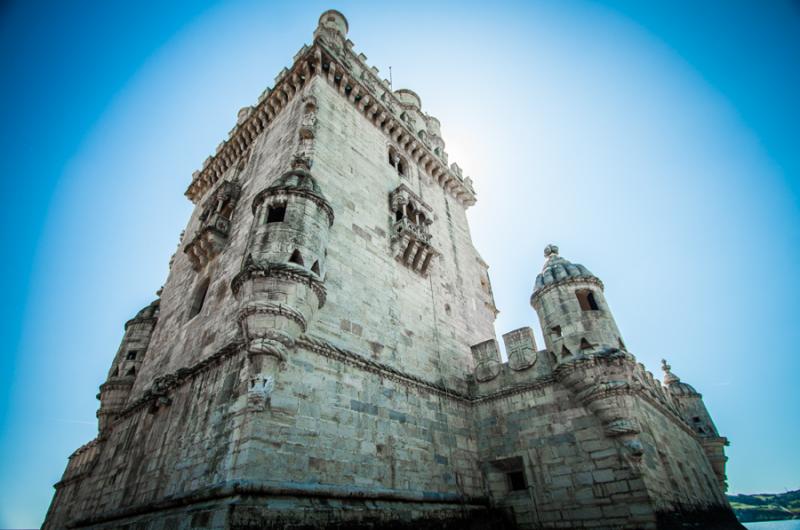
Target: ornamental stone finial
<point>301,162</point>
<point>550,250</point>
<point>669,377</point>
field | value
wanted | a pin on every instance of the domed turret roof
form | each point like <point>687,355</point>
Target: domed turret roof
<point>146,313</point>
<point>674,384</point>
<point>297,179</point>
<point>557,269</point>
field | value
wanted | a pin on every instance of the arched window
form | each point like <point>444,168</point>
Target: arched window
<point>397,162</point>
<point>411,212</point>
<point>199,298</point>
<point>586,300</point>
<point>297,258</point>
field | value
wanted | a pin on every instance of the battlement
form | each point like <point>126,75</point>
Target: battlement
<point>397,113</point>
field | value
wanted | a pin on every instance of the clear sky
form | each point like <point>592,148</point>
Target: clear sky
<point>656,143</point>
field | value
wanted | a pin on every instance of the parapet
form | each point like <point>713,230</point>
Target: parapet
<point>522,356</point>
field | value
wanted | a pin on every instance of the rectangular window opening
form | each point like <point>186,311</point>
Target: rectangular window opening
<point>516,480</point>
<point>276,213</point>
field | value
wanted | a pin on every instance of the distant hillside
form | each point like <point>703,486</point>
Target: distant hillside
<point>766,506</point>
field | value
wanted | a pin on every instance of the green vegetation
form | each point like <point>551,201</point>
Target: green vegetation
<point>766,506</point>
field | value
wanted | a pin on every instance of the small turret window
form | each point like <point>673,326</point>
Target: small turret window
<point>297,258</point>
<point>276,213</point>
<point>586,345</point>
<point>586,300</point>
<point>132,354</point>
<point>132,371</point>
<point>555,331</point>
<point>565,351</point>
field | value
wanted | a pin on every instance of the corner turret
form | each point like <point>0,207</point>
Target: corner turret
<point>126,365</point>
<point>332,21</point>
<point>281,284</point>
<point>572,309</point>
<point>692,409</point>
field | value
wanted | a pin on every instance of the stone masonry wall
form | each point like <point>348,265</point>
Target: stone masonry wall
<point>376,305</point>
<point>576,477</point>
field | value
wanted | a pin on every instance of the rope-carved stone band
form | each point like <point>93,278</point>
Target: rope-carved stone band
<point>272,309</point>
<point>279,270</point>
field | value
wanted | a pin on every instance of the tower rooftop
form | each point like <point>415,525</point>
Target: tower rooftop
<point>674,384</point>
<point>557,269</point>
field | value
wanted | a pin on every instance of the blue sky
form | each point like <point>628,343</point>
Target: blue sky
<point>656,143</point>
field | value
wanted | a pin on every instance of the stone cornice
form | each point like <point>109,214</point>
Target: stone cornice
<point>350,358</point>
<point>370,96</point>
<point>166,383</point>
<point>283,270</point>
<point>638,390</point>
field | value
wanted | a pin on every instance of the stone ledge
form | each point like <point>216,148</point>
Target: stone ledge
<point>237,488</point>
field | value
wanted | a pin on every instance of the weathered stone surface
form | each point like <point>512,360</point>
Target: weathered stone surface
<point>323,353</point>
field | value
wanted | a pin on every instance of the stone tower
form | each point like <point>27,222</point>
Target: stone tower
<point>323,353</point>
